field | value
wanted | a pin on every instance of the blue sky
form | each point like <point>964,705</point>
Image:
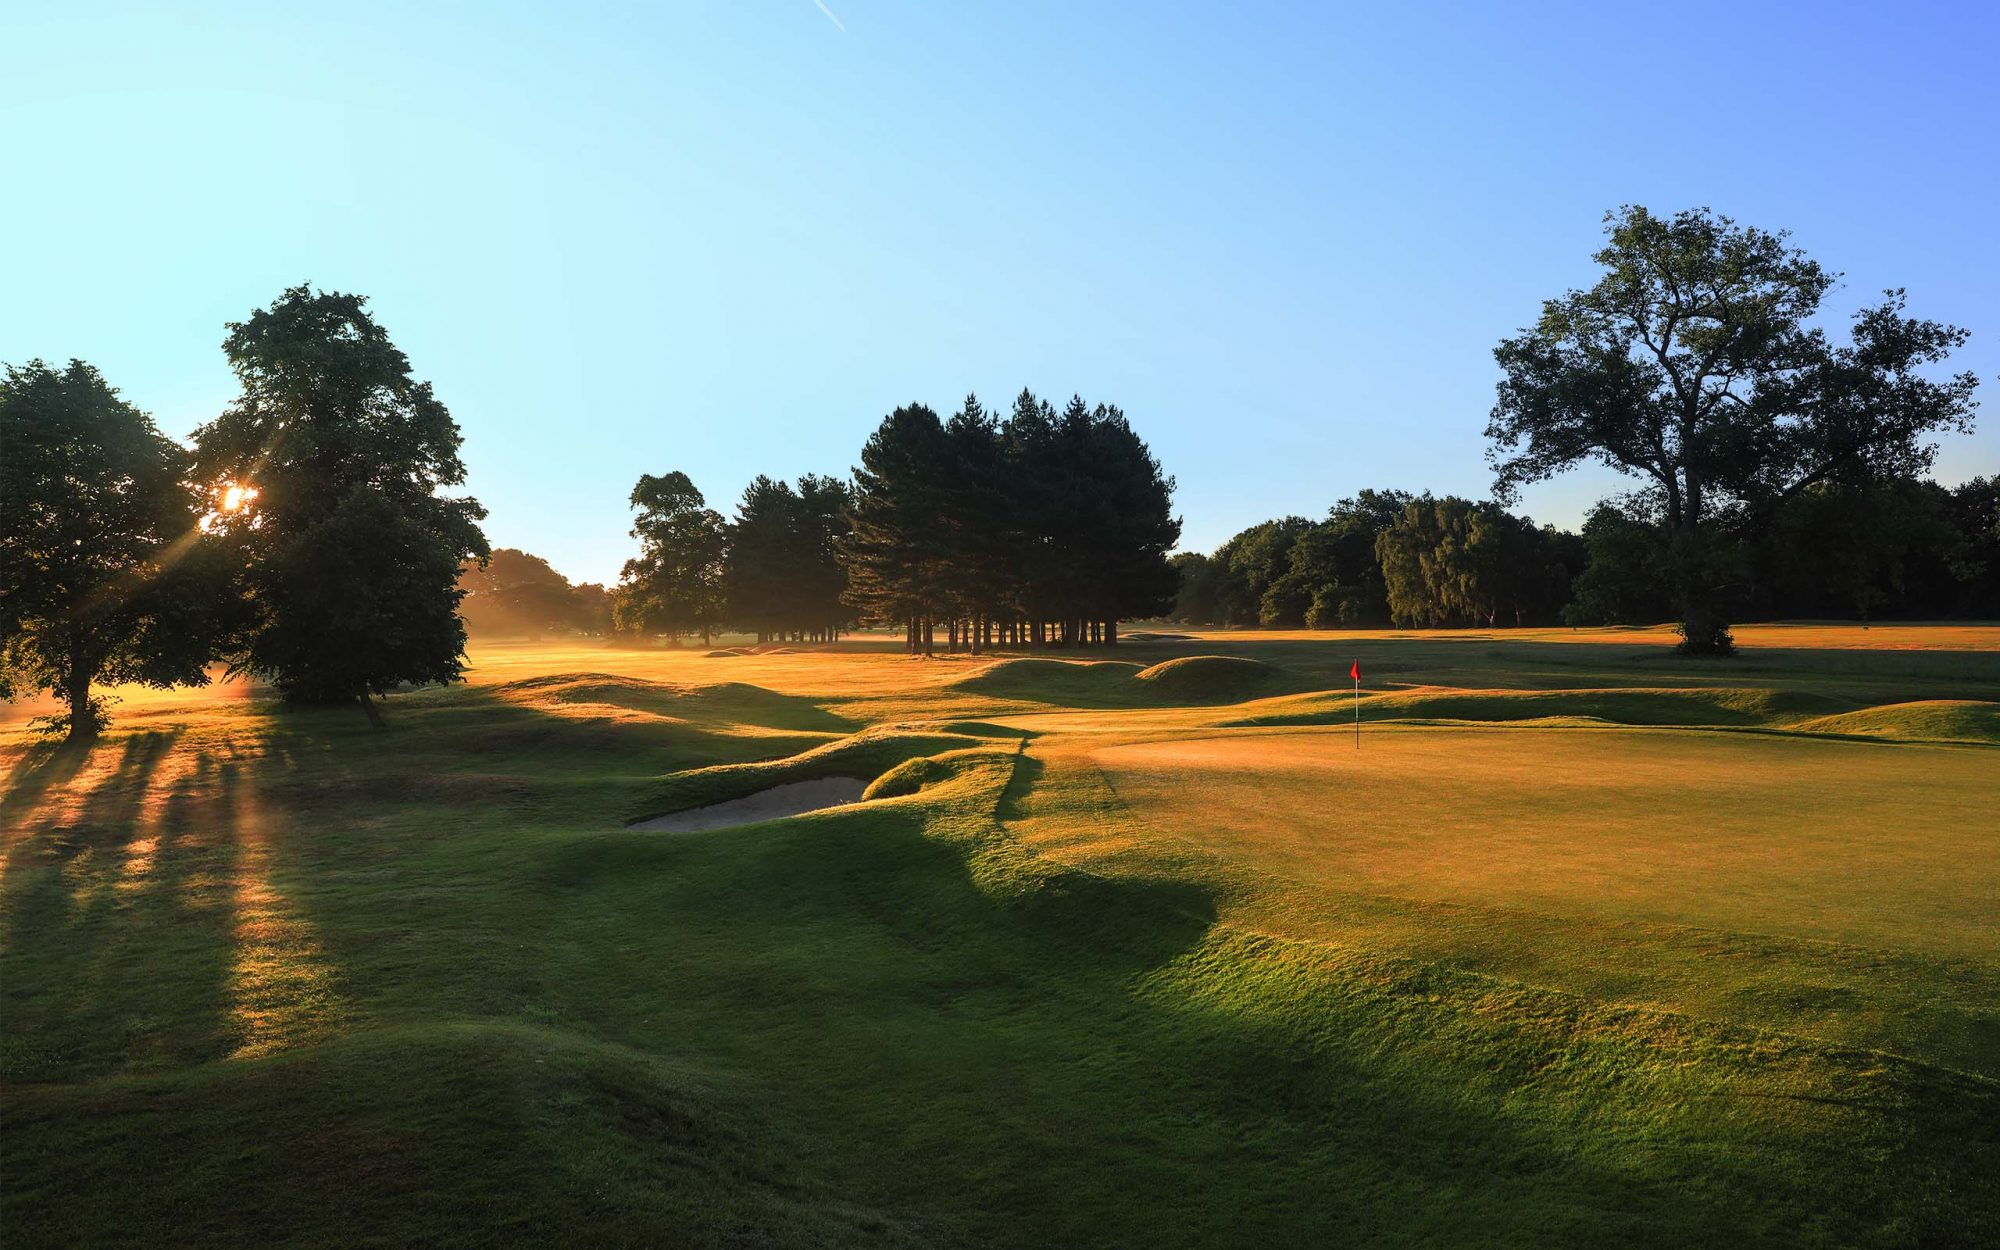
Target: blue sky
<point>727,237</point>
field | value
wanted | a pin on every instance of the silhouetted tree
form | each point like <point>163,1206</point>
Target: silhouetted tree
<point>593,608</point>
<point>1692,364</point>
<point>1043,529</point>
<point>1625,579</point>
<point>1198,599</point>
<point>1844,548</point>
<point>783,577</point>
<point>1974,512</point>
<point>675,585</point>
<point>104,574</point>
<point>896,553</point>
<point>351,552</point>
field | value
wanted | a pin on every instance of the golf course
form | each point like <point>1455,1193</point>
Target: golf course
<point>1578,941</point>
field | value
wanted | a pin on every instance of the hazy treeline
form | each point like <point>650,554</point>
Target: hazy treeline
<point>515,593</point>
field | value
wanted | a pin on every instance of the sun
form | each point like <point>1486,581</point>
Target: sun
<point>236,497</point>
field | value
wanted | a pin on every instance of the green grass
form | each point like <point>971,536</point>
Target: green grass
<point>1097,966</point>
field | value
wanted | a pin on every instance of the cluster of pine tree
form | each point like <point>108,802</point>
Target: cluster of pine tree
<point>1044,528</point>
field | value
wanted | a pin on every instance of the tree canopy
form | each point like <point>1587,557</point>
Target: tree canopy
<point>350,549</point>
<point>104,574</point>
<point>782,572</point>
<point>675,585</point>
<point>1694,364</point>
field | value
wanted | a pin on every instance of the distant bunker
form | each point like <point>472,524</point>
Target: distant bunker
<point>794,798</point>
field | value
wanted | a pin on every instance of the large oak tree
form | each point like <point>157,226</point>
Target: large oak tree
<point>1695,364</point>
<point>352,550</point>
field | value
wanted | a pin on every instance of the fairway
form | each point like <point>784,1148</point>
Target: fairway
<point>1874,845</point>
<point>1585,944</point>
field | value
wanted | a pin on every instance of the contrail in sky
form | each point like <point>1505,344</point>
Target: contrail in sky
<point>830,17</point>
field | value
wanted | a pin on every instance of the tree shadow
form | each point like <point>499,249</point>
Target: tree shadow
<point>114,947</point>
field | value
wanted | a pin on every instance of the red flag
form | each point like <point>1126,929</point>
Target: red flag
<point>1355,672</point>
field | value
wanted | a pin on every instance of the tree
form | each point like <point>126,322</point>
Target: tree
<point>1853,548</point>
<point>1692,365</point>
<point>104,575</point>
<point>593,606</point>
<point>783,578</point>
<point>675,585</point>
<point>1451,560</point>
<point>512,591</point>
<point>1128,528</point>
<point>351,552</point>
<point>896,554</point>
<point>1252,560</point>
<point>1974,511</point>
<point>1198,599</point>
<point>1332,576</point>
<point>1044,528</point>
<point>820,594</point>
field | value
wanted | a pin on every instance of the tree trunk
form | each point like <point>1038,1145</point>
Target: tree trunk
<point>1703,631</point>
<point>368,706</point>
<point>1111,632</point>
<point>82,722</point>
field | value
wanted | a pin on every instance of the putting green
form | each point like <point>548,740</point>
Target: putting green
<point>1864,843</point>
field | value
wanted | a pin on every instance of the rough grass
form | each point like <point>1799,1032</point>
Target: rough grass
<point>267,974</point>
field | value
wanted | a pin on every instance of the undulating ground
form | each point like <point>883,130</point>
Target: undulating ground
<point>1583,943</point>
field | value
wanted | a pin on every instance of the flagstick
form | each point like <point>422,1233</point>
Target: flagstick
<point>1357,712</point>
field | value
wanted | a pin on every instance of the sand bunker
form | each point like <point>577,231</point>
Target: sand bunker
<point>794,798</point>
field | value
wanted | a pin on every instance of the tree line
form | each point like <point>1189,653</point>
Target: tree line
<point>1906,548</point>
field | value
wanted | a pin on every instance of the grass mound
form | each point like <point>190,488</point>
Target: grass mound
<point>1209,678</point>
<point>1188,679</point>
<point>915,776</point>
<point>1052,681</point>
<point>429,1131</point>
<point>1928,720</point>
<point>1746,707</point>
<point>729,702</point>
<point>866,755</point>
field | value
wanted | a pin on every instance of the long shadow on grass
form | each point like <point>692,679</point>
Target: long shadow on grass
<point>117,955</point>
